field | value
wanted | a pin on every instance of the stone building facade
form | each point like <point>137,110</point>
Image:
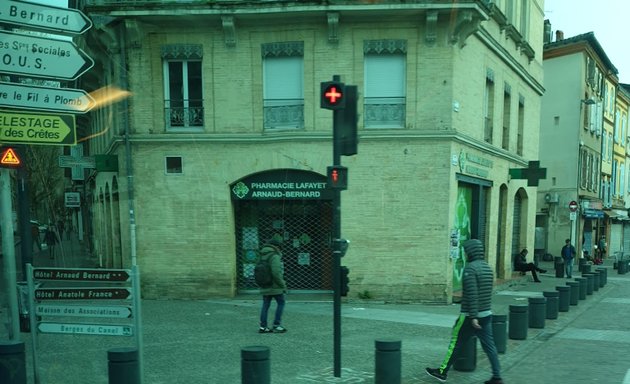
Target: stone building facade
<point>223,145</point>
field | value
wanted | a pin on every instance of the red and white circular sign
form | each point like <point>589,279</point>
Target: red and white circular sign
<point>573,206</point>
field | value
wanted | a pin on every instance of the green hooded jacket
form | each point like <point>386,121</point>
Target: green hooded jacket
<point>279,286</point>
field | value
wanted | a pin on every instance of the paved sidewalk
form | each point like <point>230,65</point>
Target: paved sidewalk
<point>199,342</point>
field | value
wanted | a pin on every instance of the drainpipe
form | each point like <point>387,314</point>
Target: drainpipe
<point>130,198</point>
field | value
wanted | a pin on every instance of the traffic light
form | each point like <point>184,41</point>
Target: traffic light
<point>344,280</point>
<point>346,124</point>
<point>333,95</point>
<point>337,177</point>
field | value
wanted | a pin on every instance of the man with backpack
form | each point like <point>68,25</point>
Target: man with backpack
<point>273,290</point>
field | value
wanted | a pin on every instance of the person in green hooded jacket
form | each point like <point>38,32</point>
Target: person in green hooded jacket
<point>271,251</point>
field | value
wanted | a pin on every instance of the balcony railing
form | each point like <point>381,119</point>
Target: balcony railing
<point>184,113</point>
<point>384,112</point>
<point>283,114</point>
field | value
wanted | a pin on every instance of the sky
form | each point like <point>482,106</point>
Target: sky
<point>608,19</point>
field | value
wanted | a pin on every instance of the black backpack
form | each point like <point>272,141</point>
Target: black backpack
<point>262,273</point>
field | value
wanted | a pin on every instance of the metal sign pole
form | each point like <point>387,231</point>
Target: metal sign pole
<point>135,281</point>
<point>8,250</point>
<point>32,320</point>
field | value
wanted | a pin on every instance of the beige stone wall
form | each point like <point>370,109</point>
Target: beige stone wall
<point>398,210</point>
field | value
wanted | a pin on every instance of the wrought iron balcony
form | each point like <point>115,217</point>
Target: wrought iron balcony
<point>184,113</point>
<point>283,114</point>
<point>384,112</point>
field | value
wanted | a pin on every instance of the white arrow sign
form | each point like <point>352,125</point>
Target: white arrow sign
<point>15,95</point>
<point>87,329</point>
<point>42,57</point>
<point>108,311</point>
<point>44,17</point>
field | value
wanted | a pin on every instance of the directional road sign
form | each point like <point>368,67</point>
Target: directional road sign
<point>44,17</point>
<point>69,100</point>
<point>87,329</point>
<point>42,57</point>
<point>36,128</point>
<point>82,294</point>
<point>83,311</point>
<point>74,274</point>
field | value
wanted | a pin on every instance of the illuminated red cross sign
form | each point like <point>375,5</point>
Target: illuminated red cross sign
<point>333,95</point>
<point>533,173</point>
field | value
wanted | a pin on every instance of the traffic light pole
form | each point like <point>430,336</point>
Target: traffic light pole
<point>337,115</point>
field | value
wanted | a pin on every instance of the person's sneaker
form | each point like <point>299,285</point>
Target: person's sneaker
<point>264,330</point>
<point>279,329</point>
<point>494,380</point>
<point>436,373</point>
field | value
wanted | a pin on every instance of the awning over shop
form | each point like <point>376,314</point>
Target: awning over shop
<point>617,214</point>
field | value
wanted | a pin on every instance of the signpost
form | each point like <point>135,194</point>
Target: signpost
<point>120,312</point>
<point>27,55</point>
<point>36,128</point>
<point>82,294</point>
<point>107,275</point>
<point>44,17</point>
<point>86,329</point>
<point>34,97</point>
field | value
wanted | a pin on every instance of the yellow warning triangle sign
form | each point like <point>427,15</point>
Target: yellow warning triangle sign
<point>10,158</point>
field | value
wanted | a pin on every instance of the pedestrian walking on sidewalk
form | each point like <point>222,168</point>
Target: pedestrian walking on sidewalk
<point>475,317</point>
<point>568,254</point>
<point>50,238</point>
<point>521,265</point>
<point>271,252</point>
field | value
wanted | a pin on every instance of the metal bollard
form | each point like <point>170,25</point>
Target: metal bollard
<point>603,272</point>
<point>537,312</point>
<point>621,266</point>
<point>122,366</point>
<point>595,281</point>
<point>499,332</point>
<point>552,304</point>
<point>255,365</point>
<point>589,283</point>
<point>574,292</point>
<point>12,362</point>
<point>583,281</point>
<point>519,319</point>
<point>563,298</point>
<point>466,359</point>
<point>387,362</point>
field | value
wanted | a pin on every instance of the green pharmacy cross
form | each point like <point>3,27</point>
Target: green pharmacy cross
<point>533,173</point>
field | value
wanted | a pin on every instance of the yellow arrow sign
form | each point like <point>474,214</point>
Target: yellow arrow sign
<point>35,128</point>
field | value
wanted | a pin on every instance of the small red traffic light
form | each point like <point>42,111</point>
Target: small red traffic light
<point>333,95</point>
<point>335,176</point>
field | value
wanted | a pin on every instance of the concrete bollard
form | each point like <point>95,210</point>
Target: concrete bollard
<point>559,266</point>
<point>583,281</point>
<point>563,298</point>
<point>255,365</point>
<point>574,292</point>
<point>586,268</point>
<point>387,362</point>
<point>603,272</point>
<point>12,362</point>
<point>466,359</point>
<point>122,366</point>
<point>537,312</point>
<point>552,304</point>
<point>518,322</point>
<point>499,332</point>
<point>589,283</point>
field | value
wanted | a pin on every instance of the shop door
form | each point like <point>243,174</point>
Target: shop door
<point>305,227</point>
